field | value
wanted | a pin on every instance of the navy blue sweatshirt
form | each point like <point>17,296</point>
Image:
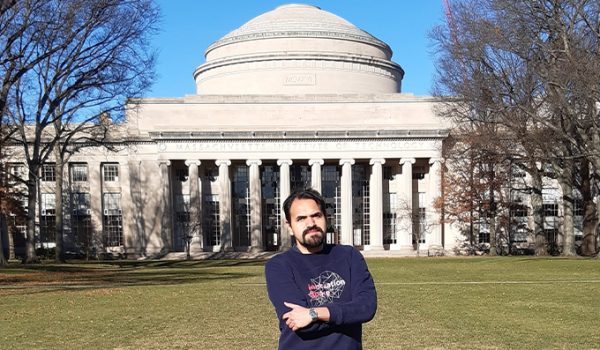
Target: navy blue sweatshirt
<point>337,278</point>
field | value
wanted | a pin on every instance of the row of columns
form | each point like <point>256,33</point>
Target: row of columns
<point>225,199</point>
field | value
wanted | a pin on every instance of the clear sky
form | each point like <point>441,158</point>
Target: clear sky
<point>190,26</point>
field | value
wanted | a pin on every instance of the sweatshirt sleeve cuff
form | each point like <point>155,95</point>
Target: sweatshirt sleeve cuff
<point>335,314</point>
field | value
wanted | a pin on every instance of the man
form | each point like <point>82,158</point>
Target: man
<point>322,293</point>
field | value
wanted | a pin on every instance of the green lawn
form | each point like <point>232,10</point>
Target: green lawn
<point>424,303</point>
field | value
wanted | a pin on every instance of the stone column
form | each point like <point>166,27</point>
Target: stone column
<point>406,204</point>
<point>435,190</point>
<point>167,215</point>
<point>195,205</point>
<point>256,239</point>
<point>347,236</point>
<point>315,173</point>
<point>284,192</point>
<point>376,203</point>
<point>225,204</point>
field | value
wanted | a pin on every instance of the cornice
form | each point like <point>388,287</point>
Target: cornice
<point>268,60</point>
<point>283,98</point>
<point>300,135</point>
<point>290,34</point>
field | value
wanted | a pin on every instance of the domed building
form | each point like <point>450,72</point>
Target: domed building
<point>296,97</point>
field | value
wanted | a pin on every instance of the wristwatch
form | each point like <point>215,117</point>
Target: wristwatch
<point>313,314</point>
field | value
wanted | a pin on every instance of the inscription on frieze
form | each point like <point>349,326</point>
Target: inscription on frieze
<point>300,79</point>
<point>270,146</point>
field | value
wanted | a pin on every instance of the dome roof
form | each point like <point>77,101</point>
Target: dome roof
<point>298,49</point>
<point>299,21</point>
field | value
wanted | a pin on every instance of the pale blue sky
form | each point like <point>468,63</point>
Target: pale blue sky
<point>190,26</point>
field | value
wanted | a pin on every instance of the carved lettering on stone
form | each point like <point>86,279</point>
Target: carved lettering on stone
<point>287,146</point>
<point>300,79</point>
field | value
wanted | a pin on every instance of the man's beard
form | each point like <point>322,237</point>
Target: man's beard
<point>314,241</point>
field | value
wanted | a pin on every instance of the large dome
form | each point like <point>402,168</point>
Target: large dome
<point>298,49</point>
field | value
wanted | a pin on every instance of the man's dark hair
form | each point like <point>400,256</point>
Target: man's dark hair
<point>307,193</point>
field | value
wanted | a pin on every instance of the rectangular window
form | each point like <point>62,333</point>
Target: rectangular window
<point>110,172</point>
<point>48,204</point>
<point>550,209</point>
<point>48,172</point>
<point>366,215</point>
<point>518,211</point>
<point>47,218</point>
<point>484,232</point>
<point>421,227</point>
<point>578,207</point>
<point>47,229</point>
<point>16,172</point>
<point>79,172</point>
<point>81,203</point>
<point>112,220</point>
<point>112,203</point>
<point>113,230</point>
<point>551,235</point>
<point>211,222</point>
<point>389,221</point>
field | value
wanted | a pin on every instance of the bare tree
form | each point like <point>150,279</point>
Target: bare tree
<point>517,65</point>
<point>189,227</point>
<point>96,55</point>
<point>473,187</point>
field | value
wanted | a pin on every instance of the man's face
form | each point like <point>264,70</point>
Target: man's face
<point>308,224</point>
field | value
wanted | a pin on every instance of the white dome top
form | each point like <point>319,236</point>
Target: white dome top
<point>298,49</point>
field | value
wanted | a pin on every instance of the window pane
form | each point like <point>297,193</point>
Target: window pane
<point>79,172</point>
<point>48,173</point>
<point>110,172</point>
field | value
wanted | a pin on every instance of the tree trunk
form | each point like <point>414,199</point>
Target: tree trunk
<point>568,246</point>
<point>11,245</point>
<point>3,239</point>
<point>58,198</point>
<point>492,211</point>
<point>30,255</point>
<point>590,217</point>
<point>538,217</point>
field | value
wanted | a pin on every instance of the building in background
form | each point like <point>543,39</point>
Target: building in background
<point>296,97</point>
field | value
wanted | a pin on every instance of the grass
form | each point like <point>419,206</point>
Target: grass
<point>424,303</point>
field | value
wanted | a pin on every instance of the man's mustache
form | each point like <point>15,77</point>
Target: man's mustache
<point>314,227</point>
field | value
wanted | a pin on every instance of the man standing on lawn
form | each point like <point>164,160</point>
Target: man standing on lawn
<point>322,293</point>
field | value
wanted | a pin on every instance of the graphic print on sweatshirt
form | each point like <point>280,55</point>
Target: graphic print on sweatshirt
<point>324,288</point>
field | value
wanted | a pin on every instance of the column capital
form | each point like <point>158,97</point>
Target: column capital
<point>220,162</point>
<point>192,161</point>
<point>281,162</point>
<point>316,161</point>
<point>377,160</point>
<point>250,162</point>
<point>407,160</point>
<point>347,161</point>
<point>164,162</point>
<point>433,160</point>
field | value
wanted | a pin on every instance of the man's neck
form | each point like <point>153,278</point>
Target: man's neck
<point>309,250</point>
